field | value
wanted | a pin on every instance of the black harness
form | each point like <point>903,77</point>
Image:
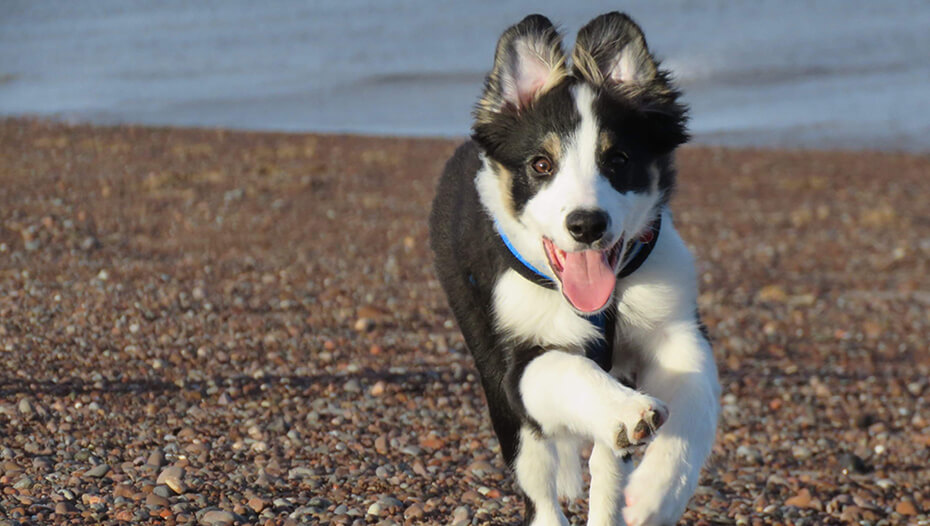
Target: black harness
<point>601,349</point>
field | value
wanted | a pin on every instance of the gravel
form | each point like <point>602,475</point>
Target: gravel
<point>255,315</point>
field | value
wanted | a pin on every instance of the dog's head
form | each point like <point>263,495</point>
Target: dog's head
<point>577,159</point>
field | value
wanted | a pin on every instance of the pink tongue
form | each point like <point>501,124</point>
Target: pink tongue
<point>587,280</point>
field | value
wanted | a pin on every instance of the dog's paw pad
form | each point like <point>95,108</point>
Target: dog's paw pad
<point>645,428</point>
<point>650,423</point>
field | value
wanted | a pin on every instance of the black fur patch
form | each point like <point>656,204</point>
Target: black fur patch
<point>514,138</point>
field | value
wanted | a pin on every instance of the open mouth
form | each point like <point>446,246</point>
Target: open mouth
<point>588,277</point>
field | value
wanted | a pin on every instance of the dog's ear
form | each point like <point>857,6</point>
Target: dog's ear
<point>611,51</point>
<point>528,62</point>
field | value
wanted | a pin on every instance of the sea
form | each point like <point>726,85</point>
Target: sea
<point>825,74</point>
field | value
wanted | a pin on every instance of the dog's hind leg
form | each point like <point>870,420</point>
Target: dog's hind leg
<point>609,471</point>
<point>536,467</point>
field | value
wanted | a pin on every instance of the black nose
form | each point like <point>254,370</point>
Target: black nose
<point>587,226</point>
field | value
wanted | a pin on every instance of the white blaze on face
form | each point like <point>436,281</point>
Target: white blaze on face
<point>579,185</point>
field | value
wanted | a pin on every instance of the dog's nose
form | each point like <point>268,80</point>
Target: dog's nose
<point>587,226</point>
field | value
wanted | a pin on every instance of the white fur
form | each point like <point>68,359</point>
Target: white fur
<point>527,311</point>
<point>569,481</point>
<point>536,468</point>
<point>568,394</point>
<point>609,474</point>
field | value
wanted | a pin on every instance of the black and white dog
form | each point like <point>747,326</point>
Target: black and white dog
<point>575,294</point>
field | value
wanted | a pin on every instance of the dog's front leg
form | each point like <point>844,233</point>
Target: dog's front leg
<point>683,374</point>
<point>568,393</point>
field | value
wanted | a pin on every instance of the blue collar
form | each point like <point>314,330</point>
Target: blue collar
<point>600,350</point>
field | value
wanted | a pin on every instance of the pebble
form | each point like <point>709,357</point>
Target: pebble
<point>156,501</point>
<point>375,509</point>
<point>217,518</point>
<point>412,450</point>
<point>461,514</point>
<point>884,483</point>
<point>64,507</point>
<point>172,477</point>
<point>156,458</point>
<point>801,500</point>
<point>352,386</point>
<point>97,471</point>
<point>162,491</point>
<point>906,507</point>
<point>414,511</point>
<point>25,407</point>
<point>24,483</point>
<point>853,464</point>
<point>364,325</point>
<point>257,504</point>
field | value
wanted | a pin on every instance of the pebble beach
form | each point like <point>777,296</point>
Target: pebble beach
<point>200,326</point>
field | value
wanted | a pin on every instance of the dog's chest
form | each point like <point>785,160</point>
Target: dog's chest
<point>528,312</point>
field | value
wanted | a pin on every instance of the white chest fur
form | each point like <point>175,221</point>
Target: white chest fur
<point>529,312</point>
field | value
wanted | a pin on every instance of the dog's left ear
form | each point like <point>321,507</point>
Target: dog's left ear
<point>611,51</point>
<point>528,62</point>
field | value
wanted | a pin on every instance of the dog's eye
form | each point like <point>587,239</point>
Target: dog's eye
<point>542,166</point>
<point>615,161</point>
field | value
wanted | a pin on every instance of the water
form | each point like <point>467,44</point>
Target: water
<point>830,74</point>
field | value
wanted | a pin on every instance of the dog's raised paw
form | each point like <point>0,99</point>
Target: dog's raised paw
<point>645,427</point>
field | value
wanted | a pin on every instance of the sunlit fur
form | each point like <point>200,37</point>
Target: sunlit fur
<point>545,398</point>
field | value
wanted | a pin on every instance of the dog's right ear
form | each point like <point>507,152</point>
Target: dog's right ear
<point>529,61</point>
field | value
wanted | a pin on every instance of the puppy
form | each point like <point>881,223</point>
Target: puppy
<point>575,294</point>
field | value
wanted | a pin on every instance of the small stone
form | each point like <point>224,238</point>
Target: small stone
<point>24,483</point>
<point>906,507</point>
<point>257,504</point>
<point>217,518</point>
<point>162,491</point>
<point>172,477</point>
<point>89,243</point>
<point>375,509</point>
<point>801,500</point>
<point>851,514</point>
<point>851,463</point>
<point>64,507</point>
<point>414,511</point>
<point>97,471</point>
<point>412,450</point>
<point>461,514</point>
<point>352,386</point>
<point>364,325</point>
<point>480,468</point>
<point>884,483</point>
<point>377,389</point>
<point>156,501</point>
<point>89,499</point>
<point>749,453</point>
<point>25,407</point>
<point>381,445</point>
<point>123,490</point>
<point>156,458</point>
